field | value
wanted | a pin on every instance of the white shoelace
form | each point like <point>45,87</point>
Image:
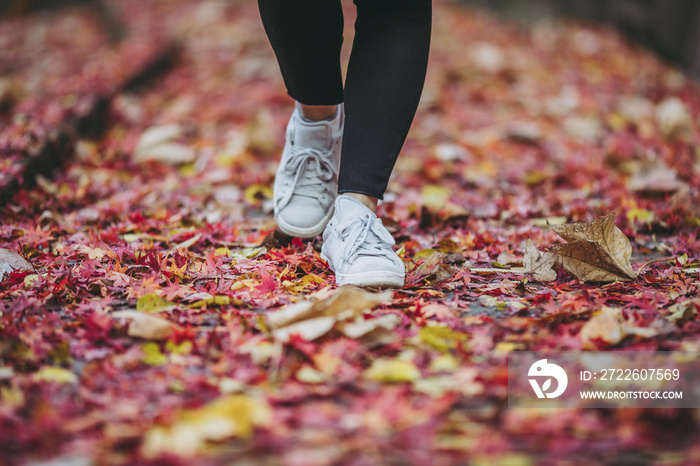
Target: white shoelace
<point>310,169</point>
<point>379,242</point>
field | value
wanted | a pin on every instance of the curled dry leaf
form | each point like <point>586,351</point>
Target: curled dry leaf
<point>313,319</point>
<point>433,270</point>
<point>309,330</point>
<point>347,298</point>
<point>147,326</point>
<point>159,143</point>
<point>371,331</point>
<point>10,261</point>
<point>597,251</point>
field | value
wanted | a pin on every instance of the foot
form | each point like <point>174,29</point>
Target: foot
<point>358,248</point>
<point>307,178</point>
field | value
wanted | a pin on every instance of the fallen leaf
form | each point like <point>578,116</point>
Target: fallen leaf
<point>55,374</point>
<point>223,418</point>
<point>309,329</point>
<point>540,265</point>
<point>342,310</point>
<point>153,303</point>
<point>441,338</point>
<point>605,327</point>
<point>392,371</point>
<point>347,298</point>
<point>597,251</point>
<point>188,243</point>
<point>145,326</point>
<point>308,374</point>
<point>654,178</point>
<point>158,143</point>
<point>261,137</point>
<point>672,116</point>
<point>433,270</point>
<point>609,328</point>
<point>680,312</point>
<point>10,261</point>
<point>152,355</point>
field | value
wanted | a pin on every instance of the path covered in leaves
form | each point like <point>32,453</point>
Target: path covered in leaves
<point>159,318</point>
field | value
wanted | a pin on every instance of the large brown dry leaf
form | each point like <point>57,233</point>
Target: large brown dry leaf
<point>343,310</point>
<point>11,261</point>
<point>597,251</point>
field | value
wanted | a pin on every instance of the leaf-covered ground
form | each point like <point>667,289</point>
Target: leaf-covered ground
<point>154,323</point>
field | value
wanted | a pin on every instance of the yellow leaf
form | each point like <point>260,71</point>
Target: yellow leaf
<point>506,347</point>
<point>153,303</point>
<point>441,337</point>
<point>435,196</point>
<point>55,374</point>
<point>223,418</point>
<point>305,282</point>
<point>254,194</point>
<point>183,348</point>
<point>640,215</point>
<point>12,397</point>
<point>29,280</point>
<point>444,363</point>
<point>308,374</point>
<point>218,300</point>
<point>423,254</point>
<point>152,354</point>
<point>392,370</point>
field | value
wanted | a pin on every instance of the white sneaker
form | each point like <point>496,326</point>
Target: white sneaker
<point>307,178</point>
<point>357,247</point>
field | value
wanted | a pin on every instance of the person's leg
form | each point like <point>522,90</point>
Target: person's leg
<point>383,87</point>
<point>307,36</point>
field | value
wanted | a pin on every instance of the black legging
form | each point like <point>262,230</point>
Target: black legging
<point>384,81</point>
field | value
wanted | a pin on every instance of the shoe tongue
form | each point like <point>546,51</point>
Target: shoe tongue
<point>316,135</point>
<point>350,208</point>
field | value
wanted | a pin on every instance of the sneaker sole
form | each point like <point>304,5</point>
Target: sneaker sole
<point>309,232</point>
<point>371,279</point>
<point>378,278</point>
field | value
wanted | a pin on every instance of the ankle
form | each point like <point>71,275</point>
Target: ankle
<point>368,201</point>
<point>318,112</point>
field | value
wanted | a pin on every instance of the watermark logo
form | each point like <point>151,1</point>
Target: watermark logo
<point>542,368</point>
